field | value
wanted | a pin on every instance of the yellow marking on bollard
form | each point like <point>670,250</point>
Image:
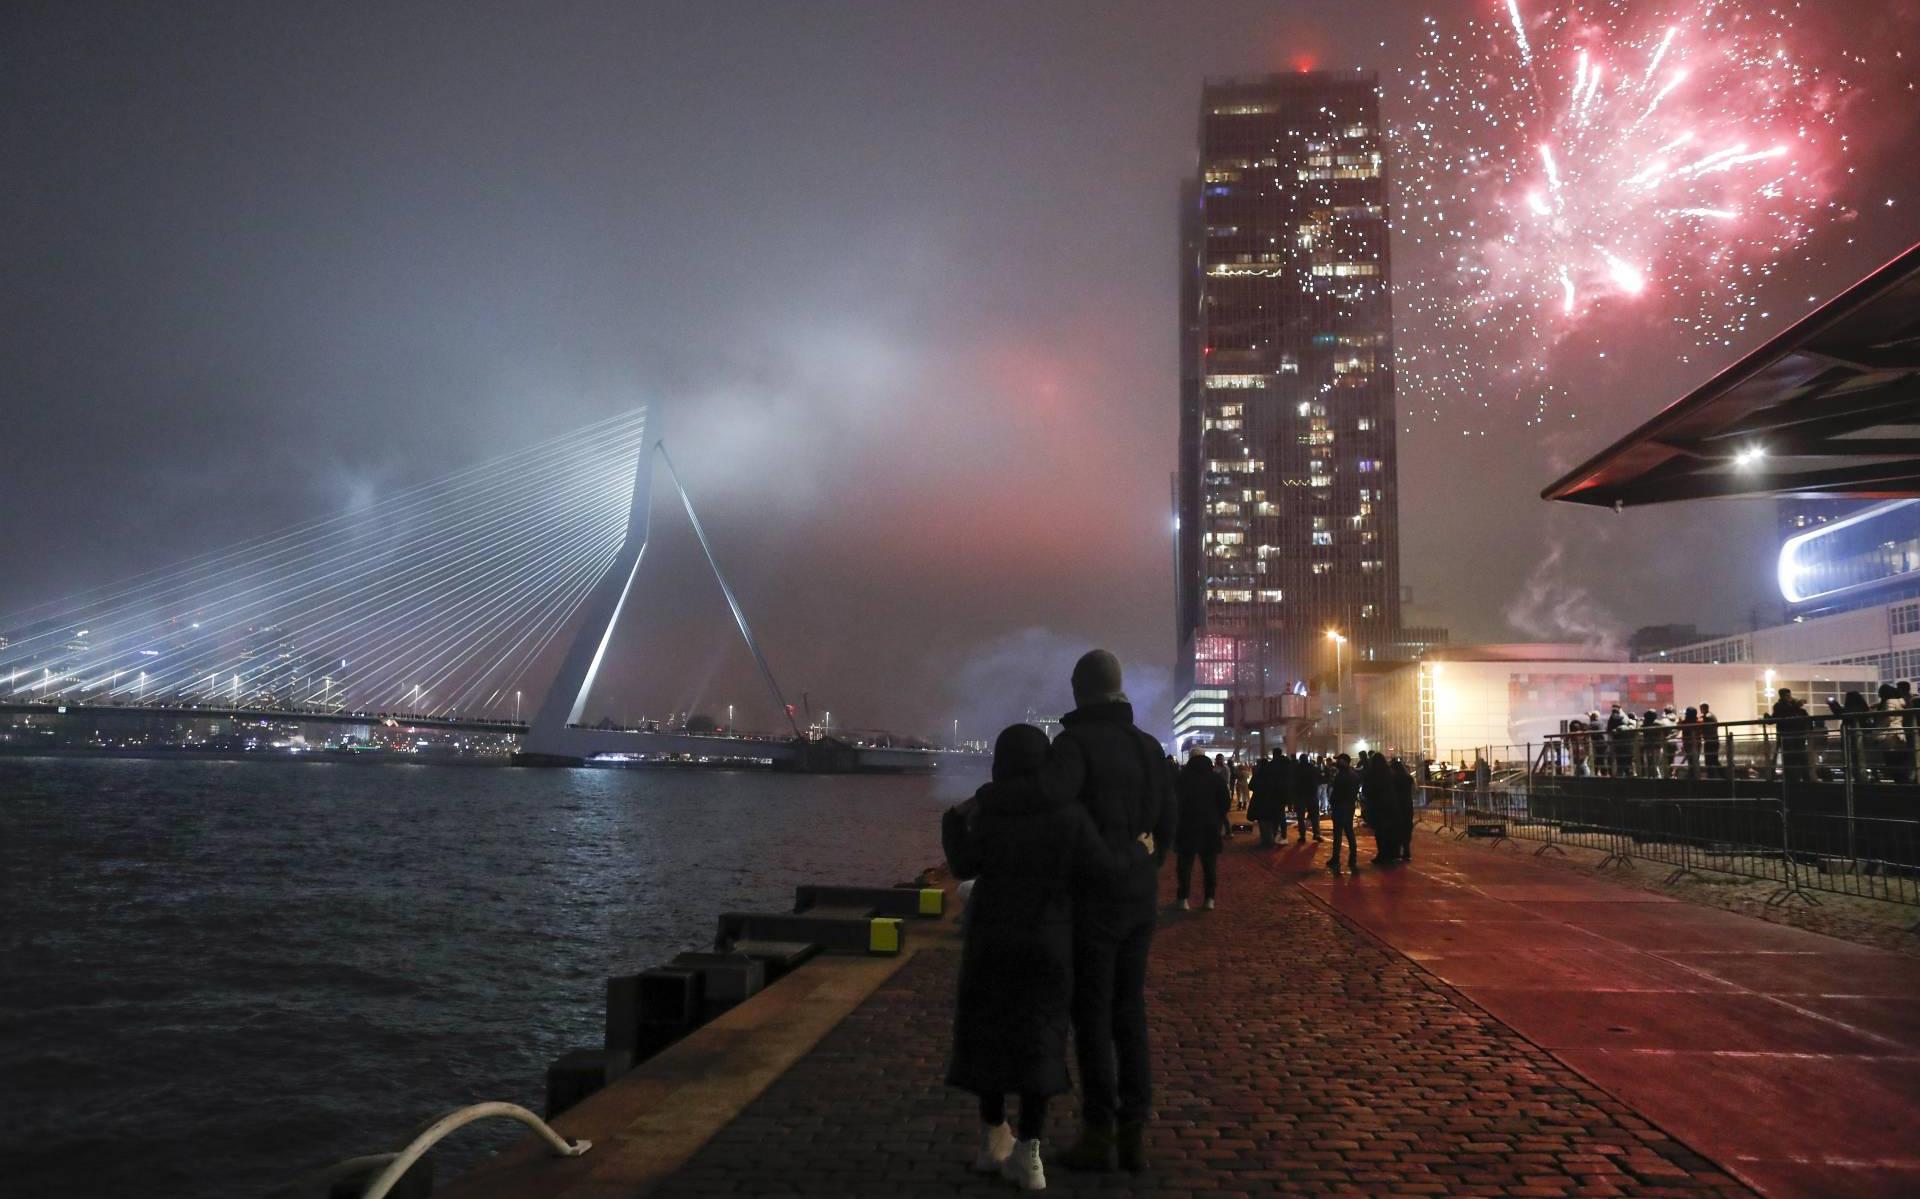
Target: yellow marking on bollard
<point>883,934</point>
<point>933,901</point>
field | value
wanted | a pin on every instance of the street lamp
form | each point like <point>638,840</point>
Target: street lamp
<point>1339,685</point>
<point>956,732</point>
<point>516,707</point>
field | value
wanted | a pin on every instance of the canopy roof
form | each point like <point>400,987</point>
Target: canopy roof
<point>1830,407</point>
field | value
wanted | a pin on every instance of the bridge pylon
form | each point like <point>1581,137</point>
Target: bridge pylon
<point>556,736</point>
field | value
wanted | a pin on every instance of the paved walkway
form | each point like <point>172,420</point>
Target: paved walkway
<point>1320,1037</point>
<point>1790,1058</point>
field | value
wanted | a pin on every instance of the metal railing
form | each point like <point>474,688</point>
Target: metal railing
<point>1812,804</point>
<point>393,1167</point>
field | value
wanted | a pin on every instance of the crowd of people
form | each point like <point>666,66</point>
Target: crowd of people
<point>1877,740</point>
<point>1061,853</point>
<point>1658,744</point>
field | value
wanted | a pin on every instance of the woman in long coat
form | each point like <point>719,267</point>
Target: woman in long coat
<point>1016,965</point>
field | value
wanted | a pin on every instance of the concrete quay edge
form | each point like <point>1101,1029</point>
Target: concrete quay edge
<point>647,1124</point>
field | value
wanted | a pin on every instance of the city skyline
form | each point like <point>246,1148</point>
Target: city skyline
<point>895,277</point>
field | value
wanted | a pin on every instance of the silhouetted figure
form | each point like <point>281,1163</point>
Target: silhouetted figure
<point>1016,963</point>
<point>1620,737</point>
<point>1204,804</point>
<point>1268,807</point>
<point>1377,801</point>
<point>1791,723</point>
<point>1710,739</point>
<point>1690,741</point>
<point>1102,760</point>
<point>1892,758</point>
<point>1306,797</point>
<point>1403,809</point>
<point>1343,792</point>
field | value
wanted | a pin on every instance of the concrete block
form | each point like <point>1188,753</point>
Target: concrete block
<point>905,902</point>
<point>729,978</point>
<point>572,1077</point>
<point>838,932</point>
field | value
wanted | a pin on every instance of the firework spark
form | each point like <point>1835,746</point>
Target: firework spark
<point>1569,158</point>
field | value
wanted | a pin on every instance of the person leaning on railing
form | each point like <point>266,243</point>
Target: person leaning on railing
<point>1894,759</point>
<point>1792,722</point>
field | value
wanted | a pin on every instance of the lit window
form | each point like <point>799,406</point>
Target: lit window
<point>1363,424</point>
<point>1323,538</point>
<point>1269,597</point>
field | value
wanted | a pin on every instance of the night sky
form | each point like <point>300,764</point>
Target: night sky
<point>896,280</point>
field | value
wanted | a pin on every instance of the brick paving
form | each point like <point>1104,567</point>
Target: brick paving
<point>1293,1055</point>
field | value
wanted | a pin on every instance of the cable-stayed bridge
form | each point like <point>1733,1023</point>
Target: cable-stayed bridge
<point>428,608</point>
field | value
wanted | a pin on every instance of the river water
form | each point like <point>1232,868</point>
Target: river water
<point>214,975</point>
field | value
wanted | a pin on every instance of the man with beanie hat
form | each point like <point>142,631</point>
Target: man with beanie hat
<point>1102,760</point>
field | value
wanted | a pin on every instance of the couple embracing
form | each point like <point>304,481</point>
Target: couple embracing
<point>1064,847</point>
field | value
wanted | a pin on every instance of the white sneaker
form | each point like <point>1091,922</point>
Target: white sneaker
<point>1209,905</point>
<point>1022,1166</point>
<point>996,1142</point>
<point>1185,906</point>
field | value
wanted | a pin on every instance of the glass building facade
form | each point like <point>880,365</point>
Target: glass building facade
<point>1286,498</point>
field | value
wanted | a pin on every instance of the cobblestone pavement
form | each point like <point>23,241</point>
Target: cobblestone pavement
<point>1293,1056</point>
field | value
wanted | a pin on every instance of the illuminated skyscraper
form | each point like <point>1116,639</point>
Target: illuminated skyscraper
<point>1287,493</point>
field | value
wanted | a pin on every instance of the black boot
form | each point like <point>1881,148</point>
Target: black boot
<point>1133,1150</point>
<point>1094,1150</point>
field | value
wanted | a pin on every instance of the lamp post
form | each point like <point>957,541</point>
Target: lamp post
<point>516,706</point>
<point>956,732</point>
<point>1339,685</point>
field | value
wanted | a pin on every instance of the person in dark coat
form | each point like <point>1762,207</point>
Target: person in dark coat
<point>1306,797</point>
<point>1377,794</point>
<point>1791,720</point>
<point>1620,740</point>
<point>1403,809</point>
<point>1343,793</point>
<point>1016,964</point>
<point>1204,804</point>
<point>1710,739</point>
<point>1103,762</point>
<point>1268,808</point>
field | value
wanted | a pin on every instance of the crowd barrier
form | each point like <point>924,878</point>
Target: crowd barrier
<point>1811,812</point>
